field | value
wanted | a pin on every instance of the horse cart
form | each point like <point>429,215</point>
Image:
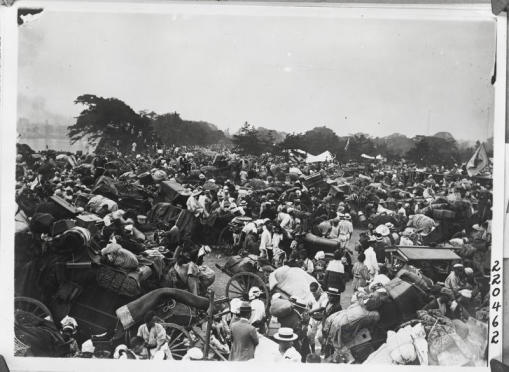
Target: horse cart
<point>187,320</point>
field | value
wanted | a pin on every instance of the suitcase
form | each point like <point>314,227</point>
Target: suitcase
<point>90,222</point>
<point>61,226</point>
<point>407,298</point>
<point>66,207</point>
<point>313,179</point>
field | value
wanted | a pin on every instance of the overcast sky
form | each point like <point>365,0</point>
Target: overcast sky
<point>376,76</point>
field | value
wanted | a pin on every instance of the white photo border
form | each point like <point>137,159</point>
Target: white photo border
<point>8,119</point>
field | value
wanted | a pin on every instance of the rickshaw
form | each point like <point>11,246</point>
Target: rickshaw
<point>435,263</point>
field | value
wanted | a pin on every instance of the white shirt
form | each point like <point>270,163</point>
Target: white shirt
<point>292,355</point>
<point>250,227</point>
<point>266,240</point>
<point>336,265</point>
<point>194,206</point>
<point>286,221</point>
<point>345,227</point>
<point>322,301</point>
<point>276,239</point>
<point>308,266</point>
<point>258,310</point>
<point>371,261</point>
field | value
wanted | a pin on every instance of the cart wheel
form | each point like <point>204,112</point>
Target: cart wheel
<point>239,284</point>
<point>178,339</point>
<point>32,306</point>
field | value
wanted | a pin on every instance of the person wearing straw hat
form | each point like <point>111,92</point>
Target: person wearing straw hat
<point>285,337</point>
<point>298,320</point>
<point>244,335</point>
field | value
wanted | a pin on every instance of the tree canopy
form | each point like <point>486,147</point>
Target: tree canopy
<point>117,125</point>
<point>172,129</point>
<point>108,120</point>
<point>250,141</point>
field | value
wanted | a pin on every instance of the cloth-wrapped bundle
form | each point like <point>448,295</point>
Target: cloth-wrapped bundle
<point>96,203</point>
<point>280,307</point>
<point>238,264</point>
<point>292,281</point>
<point>341,327</point>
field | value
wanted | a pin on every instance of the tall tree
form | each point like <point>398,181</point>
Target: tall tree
<point>170,128</point>
<point>249,141</point>
<point>431,150</point>
<point>109,120</point>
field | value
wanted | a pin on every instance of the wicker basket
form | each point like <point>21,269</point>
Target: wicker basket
<point>20,349</point>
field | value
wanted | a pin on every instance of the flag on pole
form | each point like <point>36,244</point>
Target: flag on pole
<point>478,161</point>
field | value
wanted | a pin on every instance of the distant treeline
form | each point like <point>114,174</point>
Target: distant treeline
<point>115,124</point>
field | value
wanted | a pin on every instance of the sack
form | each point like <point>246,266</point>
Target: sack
<point>206,276</point>
<point>280,307</point>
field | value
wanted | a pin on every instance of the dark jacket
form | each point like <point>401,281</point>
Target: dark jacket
<point>244,340</point>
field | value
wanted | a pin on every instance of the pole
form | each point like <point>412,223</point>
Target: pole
<point>210,314</point>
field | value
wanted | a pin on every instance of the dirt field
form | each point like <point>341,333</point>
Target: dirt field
<point>221,278</point>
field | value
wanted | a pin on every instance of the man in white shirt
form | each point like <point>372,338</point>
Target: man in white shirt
<point>154,336</point>
<point>317,306</point>
<point>371,261</point>
<point>193,205</point>
<point>266,240</point>
<point>258,312</point>
<point>401,210</point>
<point>345,229</point>
<point>288,221</point>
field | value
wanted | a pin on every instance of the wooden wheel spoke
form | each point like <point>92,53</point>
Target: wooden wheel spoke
<point>174,340</point>
<point>178,343</point>
<point>248,284</point>
<point>237,287</point>
<point>183,349</point>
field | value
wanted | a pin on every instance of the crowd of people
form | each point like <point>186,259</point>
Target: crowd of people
<point>321,235</point>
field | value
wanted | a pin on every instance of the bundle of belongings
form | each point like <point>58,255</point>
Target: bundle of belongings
<point>341,328</point>
<point>292,281</point>
<point>406,346</point>
<point>434,339</point>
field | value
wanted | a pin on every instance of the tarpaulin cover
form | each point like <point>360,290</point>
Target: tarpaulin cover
<point>324,156</point>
